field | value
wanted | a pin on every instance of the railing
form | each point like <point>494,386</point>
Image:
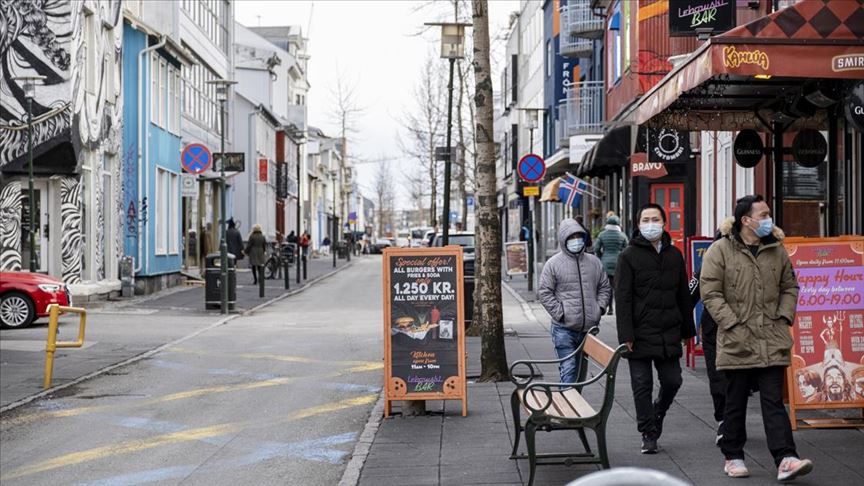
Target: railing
<point>577,17</point>
<point>51,346</point>
<point>562,132</point>
<point>585,108</point>
<point>573,46</point>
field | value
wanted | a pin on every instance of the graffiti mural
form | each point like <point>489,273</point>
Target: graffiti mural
<point>10,227</point>
<point>71,243</point>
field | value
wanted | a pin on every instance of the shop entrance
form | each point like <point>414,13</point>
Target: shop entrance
<point>670,197</point>
<point>41,226</point>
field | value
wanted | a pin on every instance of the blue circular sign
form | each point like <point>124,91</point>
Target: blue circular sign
<point>196,158</point>
<point>531,168</point>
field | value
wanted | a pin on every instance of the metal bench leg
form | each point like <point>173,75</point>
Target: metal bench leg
<point>584,440</point>
<point>517,422</point>
<point>530,430</point>
<point>601,445</point>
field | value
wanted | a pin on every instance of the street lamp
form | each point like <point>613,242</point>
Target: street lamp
<point>222,86</point>
<point>29,85</point>
<point>335,228</point>
<point>452,48</point>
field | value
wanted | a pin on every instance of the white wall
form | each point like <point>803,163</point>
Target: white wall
<point>722,181</point>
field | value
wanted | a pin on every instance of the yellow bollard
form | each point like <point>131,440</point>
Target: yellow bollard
<point>52,345</point>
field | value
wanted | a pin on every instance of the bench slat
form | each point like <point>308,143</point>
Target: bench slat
<point>568,404</point>
<point>597,350</point>
<point>578,402</point>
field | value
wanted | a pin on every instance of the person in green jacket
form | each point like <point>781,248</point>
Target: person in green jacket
<point>610,242</point>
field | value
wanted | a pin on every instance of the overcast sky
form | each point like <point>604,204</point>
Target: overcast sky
<point>373,44</point>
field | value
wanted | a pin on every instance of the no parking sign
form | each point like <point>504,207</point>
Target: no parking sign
<point>531,168</point>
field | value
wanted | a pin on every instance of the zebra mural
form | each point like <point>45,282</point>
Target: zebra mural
<point>71,242</point>
<point>10,227</point>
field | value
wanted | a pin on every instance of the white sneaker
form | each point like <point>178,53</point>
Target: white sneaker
<point>735,468</point>
<point>792,467</point>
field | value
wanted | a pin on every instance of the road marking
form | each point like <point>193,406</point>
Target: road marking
<point>274,357</point>
<point>198,434</point>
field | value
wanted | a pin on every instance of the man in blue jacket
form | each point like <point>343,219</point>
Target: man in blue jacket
<point>575,291</point>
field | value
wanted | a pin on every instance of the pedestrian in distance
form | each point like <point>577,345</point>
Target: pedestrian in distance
<point>256,248</point>
<point>610,243</point>
<point>291,238</point>
<point>325,246</point>
<point>749,287</point>
<point>654,315</point>
<point>234,240</point>
<point>304,244</point>
<point>575,292</point>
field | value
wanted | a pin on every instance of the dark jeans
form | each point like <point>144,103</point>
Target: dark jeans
<point>566,341</point>
<point>778,429</point>
<point>642,382</point>
<point>716,379</point>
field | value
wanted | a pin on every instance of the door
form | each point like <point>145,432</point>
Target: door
<point>671,198</point>
<point>41,226</point>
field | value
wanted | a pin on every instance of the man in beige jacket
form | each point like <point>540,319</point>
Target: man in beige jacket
<point>749,287</point>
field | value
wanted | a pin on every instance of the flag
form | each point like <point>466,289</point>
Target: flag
<point>571,189</point>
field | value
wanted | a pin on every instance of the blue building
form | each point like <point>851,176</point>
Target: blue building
<point>152,174</point>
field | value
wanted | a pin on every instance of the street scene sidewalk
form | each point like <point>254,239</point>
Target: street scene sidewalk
<point>120,330</point>
<point>444,448</point>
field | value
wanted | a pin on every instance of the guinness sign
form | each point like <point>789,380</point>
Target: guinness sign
<point>809,148</point>
<point>748,148</point>
<point>668,146</point>
<point>855,106</point>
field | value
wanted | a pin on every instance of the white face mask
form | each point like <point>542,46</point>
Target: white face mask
<point>575,245</point>
<point>651,231</point>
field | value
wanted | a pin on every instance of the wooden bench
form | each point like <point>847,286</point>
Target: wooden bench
<point>561,406</point>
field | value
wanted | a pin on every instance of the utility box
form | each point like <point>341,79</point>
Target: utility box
<point>127,277</point>
<point>213,281</point>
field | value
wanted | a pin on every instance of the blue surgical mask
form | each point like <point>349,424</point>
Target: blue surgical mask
<point>575,245</point>
<point>651,231</point>
<point>765,227</point>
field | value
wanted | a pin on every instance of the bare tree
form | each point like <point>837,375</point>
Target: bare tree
<point>385,196</point>
<point>493,357</point>
<point>345,113</point>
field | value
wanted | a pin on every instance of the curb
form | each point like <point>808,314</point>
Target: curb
<point>351,476</point>
<point>147,354</point>
<point>526,308</point>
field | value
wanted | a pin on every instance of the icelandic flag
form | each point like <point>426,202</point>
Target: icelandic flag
<point>571,189</point>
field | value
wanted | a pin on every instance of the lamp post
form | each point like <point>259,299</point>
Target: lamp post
<point>452,48</point>
<point>335,221</point>
<point>222,86</point>
<point>29,85</point>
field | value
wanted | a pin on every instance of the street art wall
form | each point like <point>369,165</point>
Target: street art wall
<point>77,47</point>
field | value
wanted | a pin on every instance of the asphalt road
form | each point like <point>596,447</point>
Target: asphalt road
<point>277,397</point>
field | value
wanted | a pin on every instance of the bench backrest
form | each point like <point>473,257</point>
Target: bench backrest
<point>597,350</point>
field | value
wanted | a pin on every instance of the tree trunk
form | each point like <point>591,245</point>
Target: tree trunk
<point>463,194</point>
<point>493,357</point>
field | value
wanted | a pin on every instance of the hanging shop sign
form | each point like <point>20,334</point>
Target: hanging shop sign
<point>424,315</point>
<point>748,148</point>
<point>669,146</point>
<point>234,161</point>
<point>828,333</point>
<point>855,105</point>
<point>809,148</point>
<point>639,166</point>
<point>692,17</point>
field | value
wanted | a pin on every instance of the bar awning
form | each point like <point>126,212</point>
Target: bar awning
<point>787,67</point>
<point>608,155</point>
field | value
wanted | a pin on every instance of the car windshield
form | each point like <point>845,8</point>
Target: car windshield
<point>461,240</point>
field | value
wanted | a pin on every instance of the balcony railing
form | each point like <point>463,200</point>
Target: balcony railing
<point>574,46</point>
<point>577,18</point>
<point>562,132</point>
<point>585,108</point>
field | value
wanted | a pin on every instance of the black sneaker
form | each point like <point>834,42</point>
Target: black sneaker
<point>649,444</point>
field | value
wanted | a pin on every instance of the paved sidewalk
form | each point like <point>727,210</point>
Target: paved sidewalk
<point>445,448</point>
<point>121,330</point>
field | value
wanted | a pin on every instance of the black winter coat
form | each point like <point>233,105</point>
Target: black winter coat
<point>652,299</point>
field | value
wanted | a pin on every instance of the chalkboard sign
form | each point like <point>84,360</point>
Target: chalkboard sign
<point>424,343</point>
<point>686,16</point>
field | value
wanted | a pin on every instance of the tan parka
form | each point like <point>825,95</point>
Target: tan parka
<point>752,299</point>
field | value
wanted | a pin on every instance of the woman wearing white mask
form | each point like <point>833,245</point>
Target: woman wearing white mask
<point>654,314</point>
<point>575,292</point>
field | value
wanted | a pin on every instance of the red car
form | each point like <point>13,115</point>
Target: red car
<point>25,296</point>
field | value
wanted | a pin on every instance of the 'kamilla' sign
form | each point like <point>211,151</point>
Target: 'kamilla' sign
<point>424,340</point>
<point>686,16</point>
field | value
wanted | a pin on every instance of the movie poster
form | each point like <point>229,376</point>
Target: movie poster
<point>828,353</point>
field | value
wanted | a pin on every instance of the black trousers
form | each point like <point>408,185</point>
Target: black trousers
<point>716,379</point>
<point>642,382</point>
<point>257,272</point>
<point>778,429</point>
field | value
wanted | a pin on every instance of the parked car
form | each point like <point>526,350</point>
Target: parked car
<point>467,242</point>
<point>402,242</point>
<point>25,297</point>
<point>380,244</point>
<point>428,238</point>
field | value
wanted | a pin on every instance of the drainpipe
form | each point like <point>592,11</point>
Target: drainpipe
<point>252,135</point>
<point>162,41</point>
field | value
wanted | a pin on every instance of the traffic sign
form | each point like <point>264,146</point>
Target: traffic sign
<point>529,191</point>
<point>531,168</point>
<point>196,158</point>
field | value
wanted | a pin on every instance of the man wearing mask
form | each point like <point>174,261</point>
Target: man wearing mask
<point>749,287</point>
<point>575,292</point>
<point>654,315</point>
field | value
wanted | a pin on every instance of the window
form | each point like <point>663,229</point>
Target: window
<point>549,59</point>
<point>201,104</point>
<point>167,212</point>
<point>154,88</point>
<point>615,55</point>
<point>173,101</point>
<point>163,68</point>
<point>212,17</point>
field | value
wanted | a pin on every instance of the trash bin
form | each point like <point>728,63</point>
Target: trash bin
<point>127,277</point>
<point>288,251</point>
<point>342,250</point>
<point>212,281</point>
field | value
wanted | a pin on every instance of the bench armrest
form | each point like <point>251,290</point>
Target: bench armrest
<point>529,363</point>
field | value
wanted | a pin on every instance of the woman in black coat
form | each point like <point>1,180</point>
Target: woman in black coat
<point>654,315</point>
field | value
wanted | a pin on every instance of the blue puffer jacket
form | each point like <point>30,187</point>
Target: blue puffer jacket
<point>574,288</point>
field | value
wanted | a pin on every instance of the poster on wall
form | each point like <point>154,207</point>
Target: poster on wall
<point>424,342</point>
<point>516,253</point>
<point>696,248</point>
<point>828,355</point>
